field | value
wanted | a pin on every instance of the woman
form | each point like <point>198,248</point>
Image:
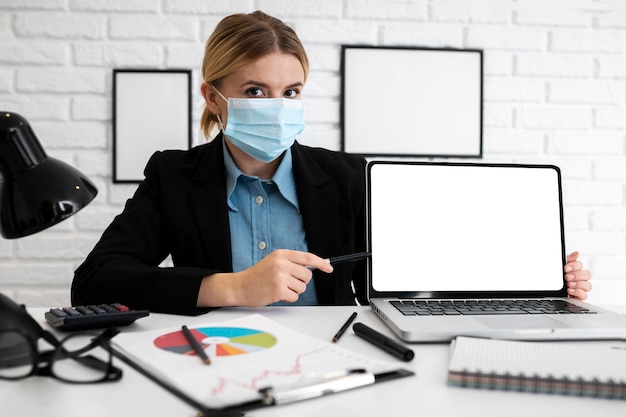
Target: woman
<point>249,217</point>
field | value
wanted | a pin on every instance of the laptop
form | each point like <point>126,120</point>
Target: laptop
<point>473,249</point>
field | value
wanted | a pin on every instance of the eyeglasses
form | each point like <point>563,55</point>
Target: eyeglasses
<point>79,358</point>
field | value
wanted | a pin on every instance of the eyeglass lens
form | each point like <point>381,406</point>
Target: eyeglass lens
<point>76,359</point>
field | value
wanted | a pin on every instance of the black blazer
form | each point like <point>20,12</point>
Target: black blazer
<point>180,209</point>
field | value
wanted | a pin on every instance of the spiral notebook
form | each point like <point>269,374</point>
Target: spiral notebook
<point>588,370</point>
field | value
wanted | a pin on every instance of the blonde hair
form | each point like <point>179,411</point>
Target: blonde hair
<point>240,39</point>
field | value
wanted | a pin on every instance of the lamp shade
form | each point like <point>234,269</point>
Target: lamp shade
<point>36,191</point>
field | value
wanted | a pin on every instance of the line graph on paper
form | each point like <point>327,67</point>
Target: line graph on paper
<point>290,360</point>
<point>260,380</point>
<point>284,357</point>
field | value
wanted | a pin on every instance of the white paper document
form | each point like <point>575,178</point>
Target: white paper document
<point>247,354</point>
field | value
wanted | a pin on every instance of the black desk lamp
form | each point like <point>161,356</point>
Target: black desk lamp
<point>36,191</point>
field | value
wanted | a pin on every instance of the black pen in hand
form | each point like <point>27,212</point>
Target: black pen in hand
<point>345,258</point>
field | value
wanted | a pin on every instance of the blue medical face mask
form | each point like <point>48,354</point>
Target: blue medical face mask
<point>263,128</point>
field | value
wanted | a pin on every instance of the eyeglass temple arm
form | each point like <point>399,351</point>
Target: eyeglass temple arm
<point>103,338</point>
<point>90,361</point>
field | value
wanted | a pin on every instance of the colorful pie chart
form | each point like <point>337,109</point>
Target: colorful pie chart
<point>217,341</point>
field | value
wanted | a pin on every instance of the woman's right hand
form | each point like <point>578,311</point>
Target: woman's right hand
<point>281,276</point>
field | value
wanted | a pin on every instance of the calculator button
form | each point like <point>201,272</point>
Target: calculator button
<point>98,309</point>
<point>57,312</point>
<point>85,310</point>
<point>71,311</point>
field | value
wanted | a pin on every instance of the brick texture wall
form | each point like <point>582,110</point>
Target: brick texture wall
<point>554,92</point>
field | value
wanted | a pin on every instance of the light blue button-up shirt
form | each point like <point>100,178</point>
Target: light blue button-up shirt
<point>264,216</point>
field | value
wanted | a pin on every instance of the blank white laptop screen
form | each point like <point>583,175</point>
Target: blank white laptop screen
<point>465,227</point>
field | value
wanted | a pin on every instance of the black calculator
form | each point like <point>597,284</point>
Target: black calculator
<point>92,316</point>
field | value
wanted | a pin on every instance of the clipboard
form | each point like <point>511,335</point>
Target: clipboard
<point>282,366</point>
<point>274,396</point>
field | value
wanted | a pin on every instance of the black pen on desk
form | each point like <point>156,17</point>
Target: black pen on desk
<point>385,343</point>
<point>344,327</point>
<point>196,346</point>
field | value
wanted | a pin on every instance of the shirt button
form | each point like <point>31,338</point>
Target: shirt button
<point>262,245</point>
<point>259,200</point>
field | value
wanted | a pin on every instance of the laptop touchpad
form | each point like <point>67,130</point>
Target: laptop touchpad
<point>521,322</point>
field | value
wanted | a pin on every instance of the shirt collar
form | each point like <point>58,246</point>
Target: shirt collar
<point>283,178</point>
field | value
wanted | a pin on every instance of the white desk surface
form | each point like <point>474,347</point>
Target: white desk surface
<point>424,394</point>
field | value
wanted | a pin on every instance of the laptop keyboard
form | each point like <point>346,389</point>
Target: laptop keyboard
<point>483,307</point>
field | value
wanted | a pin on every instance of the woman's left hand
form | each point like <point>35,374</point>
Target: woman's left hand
<point>577,278</point>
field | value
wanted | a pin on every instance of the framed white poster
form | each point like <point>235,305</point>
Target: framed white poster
<point>411,101</point>
<point>151,112</point>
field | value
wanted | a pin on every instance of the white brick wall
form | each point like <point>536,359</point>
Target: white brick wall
<point>555,92</point>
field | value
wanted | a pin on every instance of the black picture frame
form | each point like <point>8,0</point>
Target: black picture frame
<point>411,101</point>
<point>151,111</point>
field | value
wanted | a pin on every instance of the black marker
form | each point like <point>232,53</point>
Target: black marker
<point>385,343</point>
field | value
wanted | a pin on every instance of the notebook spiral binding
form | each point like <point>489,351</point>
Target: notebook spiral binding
<point>538,384</point>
